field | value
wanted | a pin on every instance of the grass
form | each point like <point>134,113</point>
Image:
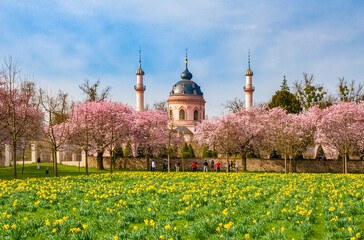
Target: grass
<point>180,205</point>
<point>31,171</point>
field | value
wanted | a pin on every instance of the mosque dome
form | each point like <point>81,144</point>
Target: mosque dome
<point>186,86</point>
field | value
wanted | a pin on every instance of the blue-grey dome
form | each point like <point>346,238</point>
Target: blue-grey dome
<point>186,87</point>
<point>186,75</point>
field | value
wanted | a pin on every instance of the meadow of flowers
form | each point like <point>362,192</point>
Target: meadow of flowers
<point>142,205</point>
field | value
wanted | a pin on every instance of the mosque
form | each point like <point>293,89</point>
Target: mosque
<point>186,104</point>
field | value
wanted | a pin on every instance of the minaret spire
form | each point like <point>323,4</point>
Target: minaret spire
<point>140,87</point>
<point>249,58</point>
<point>186,57</point>
<point>248,89</point>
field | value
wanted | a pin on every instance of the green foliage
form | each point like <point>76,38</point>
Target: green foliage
<point>214,154</point>
<point>127,150</point>
<point>320,154</point>
<point>307,93</point>
<point>285,99</point>
<point>284,86</point>
<point>206,153</point>
<point>185,151</point>
<point>91,90</point>
<point>191,152</point>
<point>350,92</point>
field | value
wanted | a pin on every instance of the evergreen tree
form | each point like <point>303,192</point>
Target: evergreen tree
<point>320,154</point>
<point>191,152</point>
<point>285,99</point>
<point>214,154</point>
<point>284,86</point>
<point>127,150</point>
<point>206,153</point>
<point>185,151</point>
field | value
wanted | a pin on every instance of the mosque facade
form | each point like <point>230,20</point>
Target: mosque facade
<point>186,103</point>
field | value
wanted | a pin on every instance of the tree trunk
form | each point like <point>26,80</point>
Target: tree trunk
<point>110,152</point>
<point>285,163</point>
<point>100,162</point>
<point>14,160</point>
<point>346,164</point>
<point>183,163</point>
<point>243,162</point>
<point>227,163</point>
<point>125,159</point>
<point>55,169</point>
<point>290,164</point>
<point>147,157</point>
<point>169,163</point>
<point>22,169</point>
<point>86,161</point>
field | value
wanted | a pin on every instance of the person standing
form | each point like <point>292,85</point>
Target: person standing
<point>194,167</point>
<point>212,164</point>
<point>205,166</point>
<point>38,163</point>
<point>177,166</point>
<point>153,166</point>
<point>217,167</point>
<point>231,166</point>
<point>236,166</point>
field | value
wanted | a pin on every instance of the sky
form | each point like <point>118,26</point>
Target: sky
<point>62,43</point>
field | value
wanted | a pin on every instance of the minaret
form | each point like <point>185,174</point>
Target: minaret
<point>249,89</point>
<point>139,87</point>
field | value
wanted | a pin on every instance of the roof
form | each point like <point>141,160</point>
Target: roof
<point>183,130</point>
<point>186,87</point>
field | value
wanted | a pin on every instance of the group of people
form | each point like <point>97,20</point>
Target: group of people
<point>205,164</point>
<point>230,166</point>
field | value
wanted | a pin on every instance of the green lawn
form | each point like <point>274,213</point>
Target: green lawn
<point>31,171</point>
<point>143,205</point>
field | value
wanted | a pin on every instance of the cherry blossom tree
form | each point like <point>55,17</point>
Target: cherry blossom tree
<point>148,131</point>
<point>17,111</point>
<point>219,134</point>
<point>80,130</point>
<point>100,126</point>
<point>341,127</point>
<point>247,130</point>
<point>288,134</point>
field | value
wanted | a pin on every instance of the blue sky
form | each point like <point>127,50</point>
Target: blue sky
<point>62,43</point>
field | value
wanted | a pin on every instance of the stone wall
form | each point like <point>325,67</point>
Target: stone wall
<point>253,164</point>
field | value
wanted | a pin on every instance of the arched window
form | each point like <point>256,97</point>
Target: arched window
<point>170,114</point>
<point>182,114</point>
<point>195,115</point>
